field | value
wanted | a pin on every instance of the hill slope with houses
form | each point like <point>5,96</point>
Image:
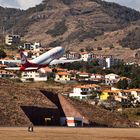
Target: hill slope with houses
<point>24,105</point>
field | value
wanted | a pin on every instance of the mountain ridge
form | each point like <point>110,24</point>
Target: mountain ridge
<point>79,23</point>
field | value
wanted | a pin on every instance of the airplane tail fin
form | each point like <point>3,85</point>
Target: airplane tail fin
<point>23,58</point>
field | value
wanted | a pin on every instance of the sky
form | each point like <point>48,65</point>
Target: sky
<point>24,4</point>
<point>134,4</point>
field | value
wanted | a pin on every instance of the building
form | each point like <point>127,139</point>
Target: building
<point>116,94</point>
<point>12,39</point>
<point>62,77</point>
<point>85,56</point>
<point>28,76</point>
<point>136,94</point>
<point>107,61</point>
<point>71,121</point>
<point>72,55</point>
<point>6,74</point>
<point>85,91</point>
<point>111,79</point>
<point>97,77</point>
<point>83,76</point>
<point>35,47</point>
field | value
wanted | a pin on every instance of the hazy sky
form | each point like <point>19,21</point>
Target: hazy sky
<point>135,4</point>
<point>24,4</point>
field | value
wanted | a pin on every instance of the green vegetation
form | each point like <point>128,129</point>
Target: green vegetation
<point>2,53</point>
<point>122,84</point>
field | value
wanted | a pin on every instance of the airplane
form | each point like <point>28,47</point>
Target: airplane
<point>51,57</point>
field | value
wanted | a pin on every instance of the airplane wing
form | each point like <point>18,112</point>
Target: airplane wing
<point>11,61</point>
<point>18,68</point>
<point>62,61</point>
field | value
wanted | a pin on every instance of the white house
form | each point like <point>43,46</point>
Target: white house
<point>136,94</point>
<point>85,91</point>
<point>85,56</point>
<point>96,77</point>
<point>72,55</point>
<point>111,78</point>
<point>34,47</point>
<point>33,76</point>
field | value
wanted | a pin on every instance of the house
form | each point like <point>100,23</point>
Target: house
<point>83,76</point>
<point>32,47</point>
<point>62,77</point>
<point>116,94</point>
<point>12,39</point>
<point>6,74</point>
<point>46,70</point>
<point>84,91</point>
<point>104,95</point>
<point>136,94</point>
<point>72,55</point>
<point>97,77</point>
<point>85,56</point>
<point>36,76</point>
<point>111,79</point>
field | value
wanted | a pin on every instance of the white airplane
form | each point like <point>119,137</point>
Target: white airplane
<point>51,57</point>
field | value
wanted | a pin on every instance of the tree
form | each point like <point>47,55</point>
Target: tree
<point>2,54</point>
<point>122,84</point>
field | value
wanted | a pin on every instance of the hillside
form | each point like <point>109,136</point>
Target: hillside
<point>98,116</point>
<point>18,101</point>
<point>76,24</point>
<point>22,105</point>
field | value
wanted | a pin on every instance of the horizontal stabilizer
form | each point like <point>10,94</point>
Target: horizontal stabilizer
<point>13,68</point>
<point>18,68</point>
<point>62,61</point>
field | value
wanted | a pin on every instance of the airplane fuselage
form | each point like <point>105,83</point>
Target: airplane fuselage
<point>44,59</point>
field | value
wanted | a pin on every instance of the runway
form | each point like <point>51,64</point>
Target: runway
<point>56,133</point>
